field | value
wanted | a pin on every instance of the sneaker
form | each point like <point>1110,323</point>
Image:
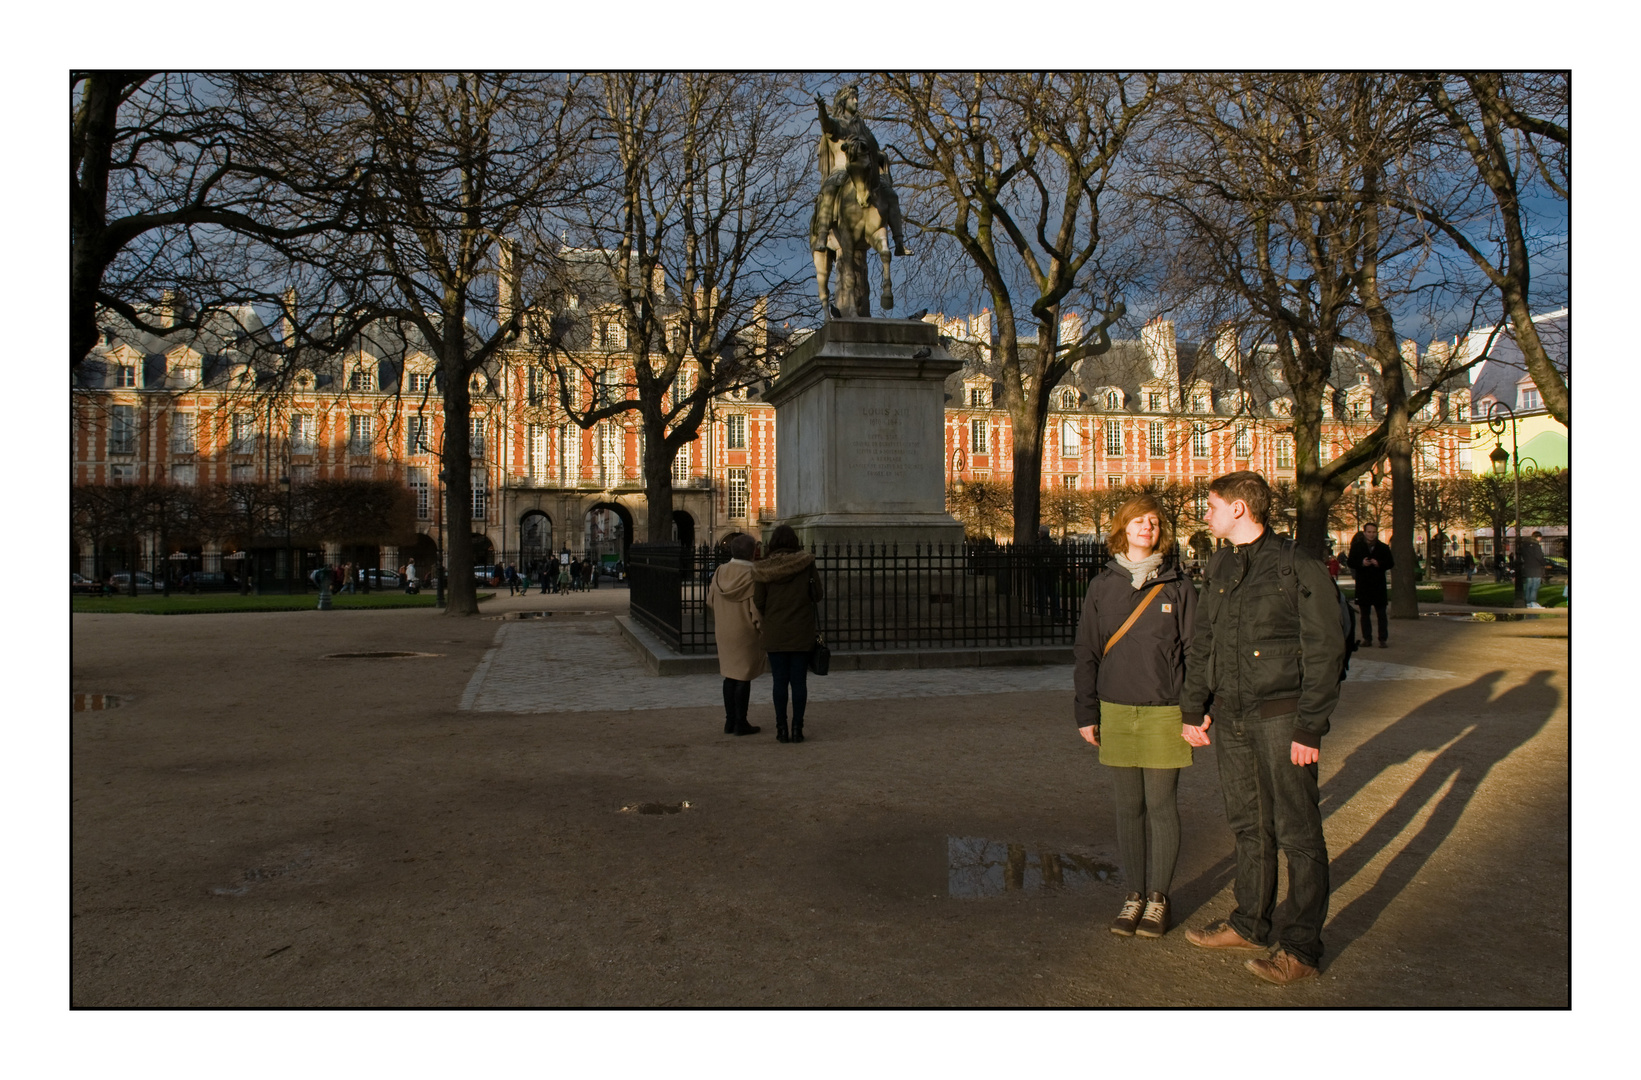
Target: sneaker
<point>1535,604</point>
<point>1281,969</point>
<point>1154,923</point>
<point>1219,935</point>
<point>1129,917</point>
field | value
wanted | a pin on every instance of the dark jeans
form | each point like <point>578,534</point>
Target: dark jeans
<point>1271,806</point>
<point>1147,808</point>
<point>790,668</point>
<point>737,699</point>
<point>1367,621</point>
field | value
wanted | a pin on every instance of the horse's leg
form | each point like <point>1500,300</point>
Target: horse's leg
<point>880,241</point>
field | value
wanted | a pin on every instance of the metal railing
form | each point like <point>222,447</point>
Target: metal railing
<point>888,597</point>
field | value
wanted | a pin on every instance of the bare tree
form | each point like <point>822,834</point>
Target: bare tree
<point>699,185</point>
<point>427,174</point>
<point>1511,132</point>
<point>1017,171</point>
<point>985,507</point>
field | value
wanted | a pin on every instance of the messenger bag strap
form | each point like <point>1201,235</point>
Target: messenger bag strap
<point>1135,614</point>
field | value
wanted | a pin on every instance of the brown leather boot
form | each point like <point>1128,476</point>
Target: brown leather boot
<point>1219,935</point>
<point>1281,969</point>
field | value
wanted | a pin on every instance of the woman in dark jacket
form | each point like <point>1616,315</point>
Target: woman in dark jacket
<point>1127,704</point>
<point>785,590</point>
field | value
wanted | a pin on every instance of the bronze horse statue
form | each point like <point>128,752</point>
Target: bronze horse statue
<point>858,221</point>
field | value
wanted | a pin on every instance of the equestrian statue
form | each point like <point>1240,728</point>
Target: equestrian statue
<point>857,209</point>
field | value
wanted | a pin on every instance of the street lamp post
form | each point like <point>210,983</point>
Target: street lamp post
<point>438,555</point>
<point>1501,459</point>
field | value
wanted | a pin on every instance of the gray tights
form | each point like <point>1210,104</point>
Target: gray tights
<point>1146,803</point>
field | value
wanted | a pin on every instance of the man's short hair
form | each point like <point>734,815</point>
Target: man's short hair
<point>1537,535</point>
<point>742,546</point>
<point>1248,486</point>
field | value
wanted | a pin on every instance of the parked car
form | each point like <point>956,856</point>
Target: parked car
<point>209,581</point>
<point>382,579</point>
<point>1554,568</point>
<point>145,582</point>
<point>81,584</point>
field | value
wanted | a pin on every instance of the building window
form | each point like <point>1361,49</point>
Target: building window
<point>680,389</point>
<point>361,379</point>
<point>1068,482</point>
<point>1113,438</point>
<point>1199,507</point>
<point>1156,401</point>
<point>977,397</point>
<point>244,434</point>
<point>1113,480</point>
<point>1156,441</point>
<point>608,460</point>
<point>536,390</point>
<point>183,475</point>
<point>1067,397</point>
<point>983,477</point>
<point>361,430</point>
<point>539,462</point>
<point>1284,453</point>
<point>737,432</point>
<point>1199,440</point>
<point>304,437</point>
<point>125,375</point>
<point>475,439</point>
<point>416,435</point>
<point>604,389</point>
<point>122,474</point>
<point>737,493</point>
<point>417,478</point>
<point>182,433</point>
<point>977,436</point>
<point>302,474</point>
<point>1071,439</point>
<point>680,466</point>
<point>1358,409</point>
<point>479,493</point>
<point>1113,400</point>
<point>1244,441</point>
<point>1201,403</point>
<point>242,474</point>
<point>419,381</point>
<point>612,335</point>
<point>185,375</point>
<point>1530,398</point>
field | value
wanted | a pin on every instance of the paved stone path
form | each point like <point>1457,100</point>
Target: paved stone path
<point>589,667</point>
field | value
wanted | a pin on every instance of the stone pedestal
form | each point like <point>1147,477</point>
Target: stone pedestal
<point>860,430</point>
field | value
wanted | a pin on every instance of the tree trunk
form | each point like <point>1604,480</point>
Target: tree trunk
<point>1311,531</point>
<point>461,596</point>
<point>657,484</point>
<point>1404,596</point>
<point>1028,479</point>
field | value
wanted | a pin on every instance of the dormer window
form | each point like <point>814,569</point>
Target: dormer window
<point>1156,401</point>
<point>1530,398</point>
<point>419,381</point>
<point>978,397</point>
<point>1113,400</point>
<point>361,379</point>
<point>1201,403</point>
<point>125,375</point>
<point>1066,397</point>
<point>476,384</point>
<point>304,380</point>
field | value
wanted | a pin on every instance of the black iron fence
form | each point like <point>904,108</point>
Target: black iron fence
<point>889,597</point>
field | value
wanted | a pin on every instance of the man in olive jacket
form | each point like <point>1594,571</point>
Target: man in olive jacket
<point>1266,660</point>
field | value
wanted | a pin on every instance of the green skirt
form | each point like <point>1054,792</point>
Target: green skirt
<point>1142,736</point>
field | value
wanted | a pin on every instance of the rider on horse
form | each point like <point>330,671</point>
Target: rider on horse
<point>837,133</point>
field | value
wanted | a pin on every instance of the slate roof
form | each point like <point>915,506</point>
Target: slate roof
<point>1505,366</point>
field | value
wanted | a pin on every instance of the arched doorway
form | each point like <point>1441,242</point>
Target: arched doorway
<point>425,552</point>
<point>484,552</point>
<point>606,532</point>
<point>535,540</point>
<point>683,529</point>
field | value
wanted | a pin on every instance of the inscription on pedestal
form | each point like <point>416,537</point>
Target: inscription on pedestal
<point>881,452</point>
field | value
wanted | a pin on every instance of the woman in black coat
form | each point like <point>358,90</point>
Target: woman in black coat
<point>1132,638</point>
<point>785,590</point>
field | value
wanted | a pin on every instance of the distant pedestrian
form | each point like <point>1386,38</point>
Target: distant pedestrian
<point>1469,566</point>
<point>1140,611</point>
<point>1532,568</point>
<point>1333,567</point>
<point>785,591</point>
<point>736,625</point>
<point>1369,561</point>
<point>563,578</point>
<point>512,578</point>
<point>411,587</point>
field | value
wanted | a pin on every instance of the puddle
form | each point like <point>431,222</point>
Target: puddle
<point>96,702</point>
<point>976,868</point>
<point>655,808</point>
<point>375,655</point>
<point>1487,616</point>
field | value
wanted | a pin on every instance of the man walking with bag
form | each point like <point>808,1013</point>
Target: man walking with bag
<point>1266,660</point>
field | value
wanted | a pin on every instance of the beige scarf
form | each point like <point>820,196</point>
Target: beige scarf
<point>1143,570</point>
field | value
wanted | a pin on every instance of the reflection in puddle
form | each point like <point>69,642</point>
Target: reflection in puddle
<point>976,867</point>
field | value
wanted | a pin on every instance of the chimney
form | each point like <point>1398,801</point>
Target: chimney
<point>1225,347</point>
<point>760,323</point>
<point>1158,338</point>
<point>506,284</point>
<point>658,283</point>
<point>287,319</point>
<point>167,310</point>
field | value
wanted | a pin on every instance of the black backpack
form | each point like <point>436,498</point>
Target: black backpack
<point>1347,614</point>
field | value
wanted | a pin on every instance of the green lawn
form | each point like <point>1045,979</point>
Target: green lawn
<point>220,603</point>
<point>1482,594</point>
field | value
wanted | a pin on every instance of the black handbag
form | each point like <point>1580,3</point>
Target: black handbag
<point>820,657</point>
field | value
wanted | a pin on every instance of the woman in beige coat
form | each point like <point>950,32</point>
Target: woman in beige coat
<point>736,626</point>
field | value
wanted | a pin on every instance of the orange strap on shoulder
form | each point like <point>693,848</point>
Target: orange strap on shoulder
<point>1123,629</point>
